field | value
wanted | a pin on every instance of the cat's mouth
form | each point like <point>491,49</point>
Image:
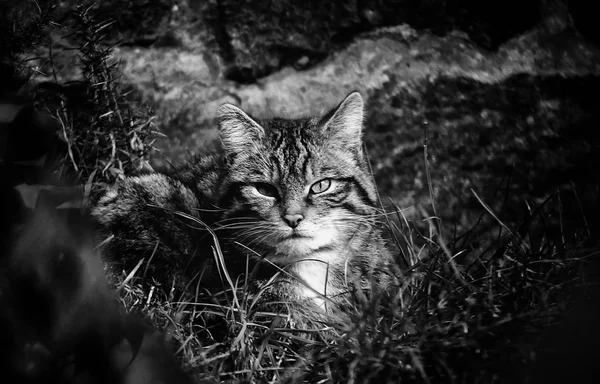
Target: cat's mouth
<point>298,235</point>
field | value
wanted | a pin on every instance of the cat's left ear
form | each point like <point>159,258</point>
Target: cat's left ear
<point>238,131</point>
<point>343,125</point>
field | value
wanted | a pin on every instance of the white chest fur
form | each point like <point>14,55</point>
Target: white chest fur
<point>315,274</point>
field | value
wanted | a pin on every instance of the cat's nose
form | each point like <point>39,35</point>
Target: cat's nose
<point>293,220</point>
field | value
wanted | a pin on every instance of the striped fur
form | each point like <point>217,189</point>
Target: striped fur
<point>294,196</point>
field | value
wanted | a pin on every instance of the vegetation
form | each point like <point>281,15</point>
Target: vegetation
<point>462,314</point>
<point>472,306</point>
<point>105,135</point>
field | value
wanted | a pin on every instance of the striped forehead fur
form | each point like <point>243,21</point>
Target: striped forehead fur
<point>342,125</point>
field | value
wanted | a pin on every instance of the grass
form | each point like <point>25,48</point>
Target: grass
<point>461,314</point>
<point>471,307</point>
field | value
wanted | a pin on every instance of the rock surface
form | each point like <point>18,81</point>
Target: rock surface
<point>258,37</point>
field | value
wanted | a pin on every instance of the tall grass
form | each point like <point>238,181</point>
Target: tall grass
<point>461,313</point>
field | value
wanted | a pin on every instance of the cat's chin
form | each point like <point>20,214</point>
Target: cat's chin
<point>293,248</point>
<point>290,249</point>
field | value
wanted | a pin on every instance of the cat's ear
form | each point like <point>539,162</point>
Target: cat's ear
<point>238,131</point>
<point>343,125</point>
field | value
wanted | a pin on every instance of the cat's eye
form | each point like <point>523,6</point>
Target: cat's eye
<point>266,189</point>
<point>320,186</point>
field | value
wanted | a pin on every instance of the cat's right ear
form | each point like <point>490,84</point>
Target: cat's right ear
<point>343,125</point>
<point>238,131</point>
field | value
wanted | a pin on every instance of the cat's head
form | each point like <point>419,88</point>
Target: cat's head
<point>296,187</point>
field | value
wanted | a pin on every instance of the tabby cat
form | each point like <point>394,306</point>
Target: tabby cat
<point>288,198</point>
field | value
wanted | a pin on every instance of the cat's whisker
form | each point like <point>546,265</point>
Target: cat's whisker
<point>237,226</point>
<point>354,221</point>
<point>246,228</point>
<point>251,232</point>
<point>255,239</point>
<point>243,224</point>
<point>246,224</point>
<point>350,224</point>
<point>260,234</point>
<point>254,229</point>
<point>237,219</point>
<point>262,239</point>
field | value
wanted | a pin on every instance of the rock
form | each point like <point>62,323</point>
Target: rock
<point>511,142</point>
<point>187,87</point>
<point>257,37</point>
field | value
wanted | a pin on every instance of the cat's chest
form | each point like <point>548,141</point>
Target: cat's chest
<point>321,274</point>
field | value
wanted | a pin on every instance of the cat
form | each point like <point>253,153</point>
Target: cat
<point>290,198</point>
